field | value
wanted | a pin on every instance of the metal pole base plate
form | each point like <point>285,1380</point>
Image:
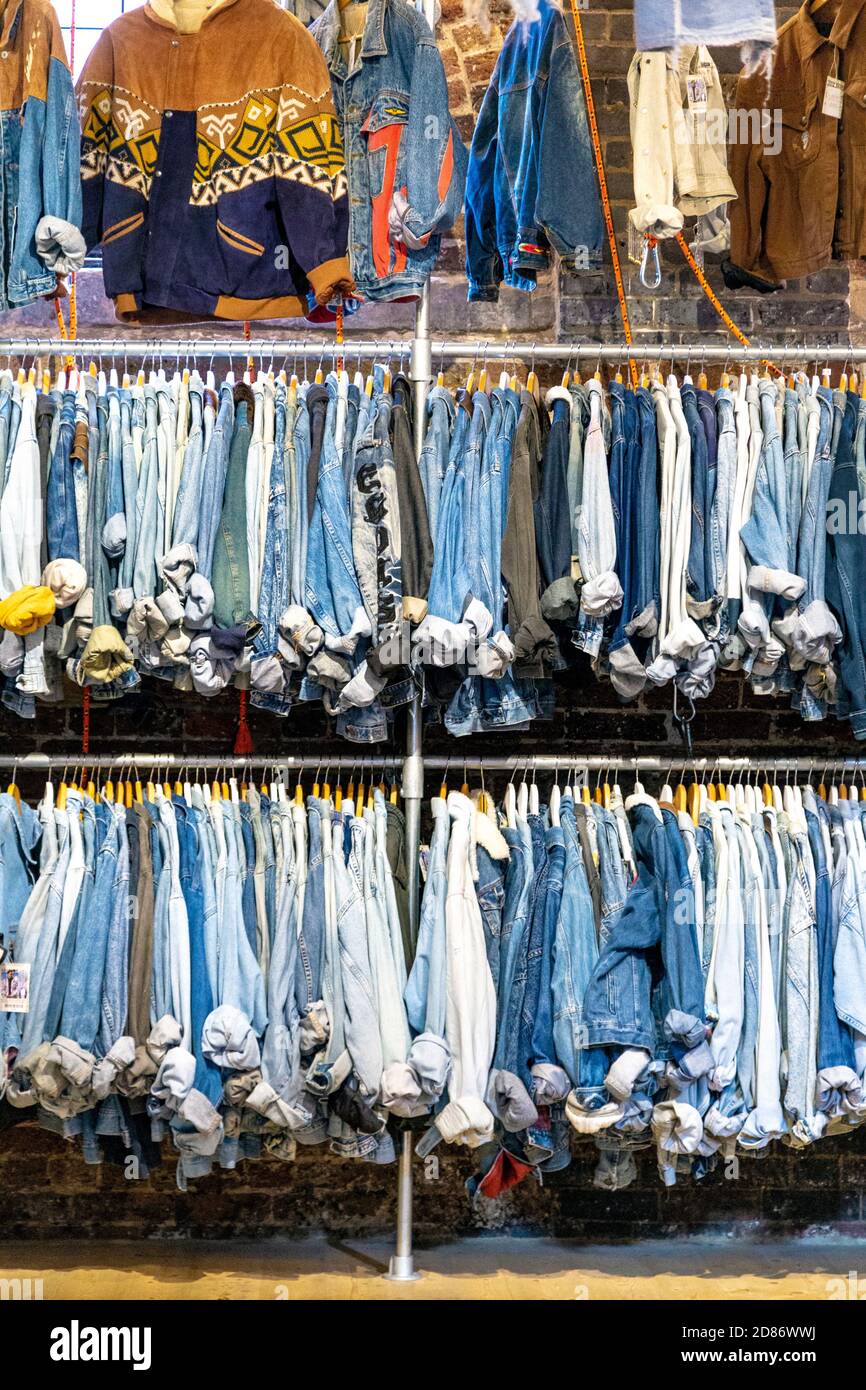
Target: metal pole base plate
<point>401,1270</point>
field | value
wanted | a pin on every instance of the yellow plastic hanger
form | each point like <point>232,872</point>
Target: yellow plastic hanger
<point>681,799</point>
<point>12,790</point>
<point>395,793</point>
<point>108,791</point>
<point>299,792</point>
<point>694,798</point>
<point>338,793</point>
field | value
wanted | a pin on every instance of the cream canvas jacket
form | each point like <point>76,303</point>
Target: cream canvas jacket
<point>679,131</point>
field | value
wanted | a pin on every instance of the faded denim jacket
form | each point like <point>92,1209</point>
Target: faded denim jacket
<point>532,183</point>
<point>405,161</point>
<point>40,233</point>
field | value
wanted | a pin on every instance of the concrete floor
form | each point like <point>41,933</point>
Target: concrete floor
<point>487,1268</point>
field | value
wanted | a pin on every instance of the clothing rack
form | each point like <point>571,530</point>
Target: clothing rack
<point>527,764</point>
<point>420,352</point>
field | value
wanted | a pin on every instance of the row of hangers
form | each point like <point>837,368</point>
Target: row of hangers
<point>73,377</point>
<point>128,790</point>
<point>744,789</point>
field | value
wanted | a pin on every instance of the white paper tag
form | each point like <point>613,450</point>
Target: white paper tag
<point>833,94</point>
<point>15,988</point>
<point>697,91</point>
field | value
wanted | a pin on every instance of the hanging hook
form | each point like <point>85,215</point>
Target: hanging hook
<point>650,264</point>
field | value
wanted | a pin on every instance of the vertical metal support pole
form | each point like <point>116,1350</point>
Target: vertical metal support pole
<point>402,1267</point>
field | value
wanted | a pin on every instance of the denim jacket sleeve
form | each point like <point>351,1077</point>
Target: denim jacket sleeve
<point>61,164</point>
<point>436,158</point>
<point>568,206</point>
<point>484,267</point>
<point>47,238</point>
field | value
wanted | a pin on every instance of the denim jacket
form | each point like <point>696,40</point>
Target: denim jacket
<point>405,161</point>
<point>532,182</point>
<point>39,155</point>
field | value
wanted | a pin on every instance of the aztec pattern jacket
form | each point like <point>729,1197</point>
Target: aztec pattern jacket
<point>212,165</point>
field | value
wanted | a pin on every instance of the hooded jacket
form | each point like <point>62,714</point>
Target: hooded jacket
<point>212,165</point>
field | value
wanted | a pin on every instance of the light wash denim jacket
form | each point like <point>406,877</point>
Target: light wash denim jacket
<point>405,161</point>
<point>39,155</point>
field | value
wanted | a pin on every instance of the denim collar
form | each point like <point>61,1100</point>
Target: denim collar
<point>373,44</point>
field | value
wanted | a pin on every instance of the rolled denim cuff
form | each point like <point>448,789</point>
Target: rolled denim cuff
<point>493,658</point>
<point>228,1039</point>
<point>753,625</point>
<point>438,642</point>
<point>329,669</point>
<point>627,673</point>
<point>11,654</point>
<point>178,565</point>
<point>170,606</point>
<point>400,1091</point>
<point>591,1120</point>
<point>118,1058</point>
<point>264,1100</point>
<point>345,643</point>
<point>325,1077</point>
<point>121,601</point>
<point>59,244</point>
<point>839,1091</point>
<point>195,1109</point>
<point>551,1084</point>
<point>465,1121</point>
<point>624,1072</point>
<point>601,596</point>
<point>267,674</point>
<point>559,602</point>
<point>645,623</point>
<point>430,1059</point>
<point>684,641</point>
<point>198,603</point>
<point>361,690</point>
<point>765,580</point>
<point>816,633</point>
<point>298,627</point>
<point>511,1102</point>
<point>114,536</point>
<point>684,1028</point>
<point>677,1127</point>
<point>314,1029</point>
<point>662,670</point>
<point>478,618</point>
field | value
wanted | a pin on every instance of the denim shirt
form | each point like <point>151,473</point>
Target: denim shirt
<point>532,182</point>
<point>405,161</point>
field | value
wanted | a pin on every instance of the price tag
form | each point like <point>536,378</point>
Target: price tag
<point>697,92</point>
<point>833,94</point>
<point>15,987</point>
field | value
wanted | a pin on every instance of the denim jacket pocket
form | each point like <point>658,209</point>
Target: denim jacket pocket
<point>384,127</point>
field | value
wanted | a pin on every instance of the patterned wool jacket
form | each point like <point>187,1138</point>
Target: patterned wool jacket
<point>212,165</point>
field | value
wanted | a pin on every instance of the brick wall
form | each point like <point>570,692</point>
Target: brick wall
<point>45,1188</point>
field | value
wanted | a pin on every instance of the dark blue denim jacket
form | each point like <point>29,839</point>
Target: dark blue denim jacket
<point>405,161</point>
<point>532,182</point>
<point>653,940</point>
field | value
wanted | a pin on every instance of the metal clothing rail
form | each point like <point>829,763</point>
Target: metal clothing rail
<point>550,763</point>
<point>279,762</point>
<point>421,352</point>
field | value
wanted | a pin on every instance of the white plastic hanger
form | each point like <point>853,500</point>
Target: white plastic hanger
<point>555,800</point>
<point>510,802</point>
